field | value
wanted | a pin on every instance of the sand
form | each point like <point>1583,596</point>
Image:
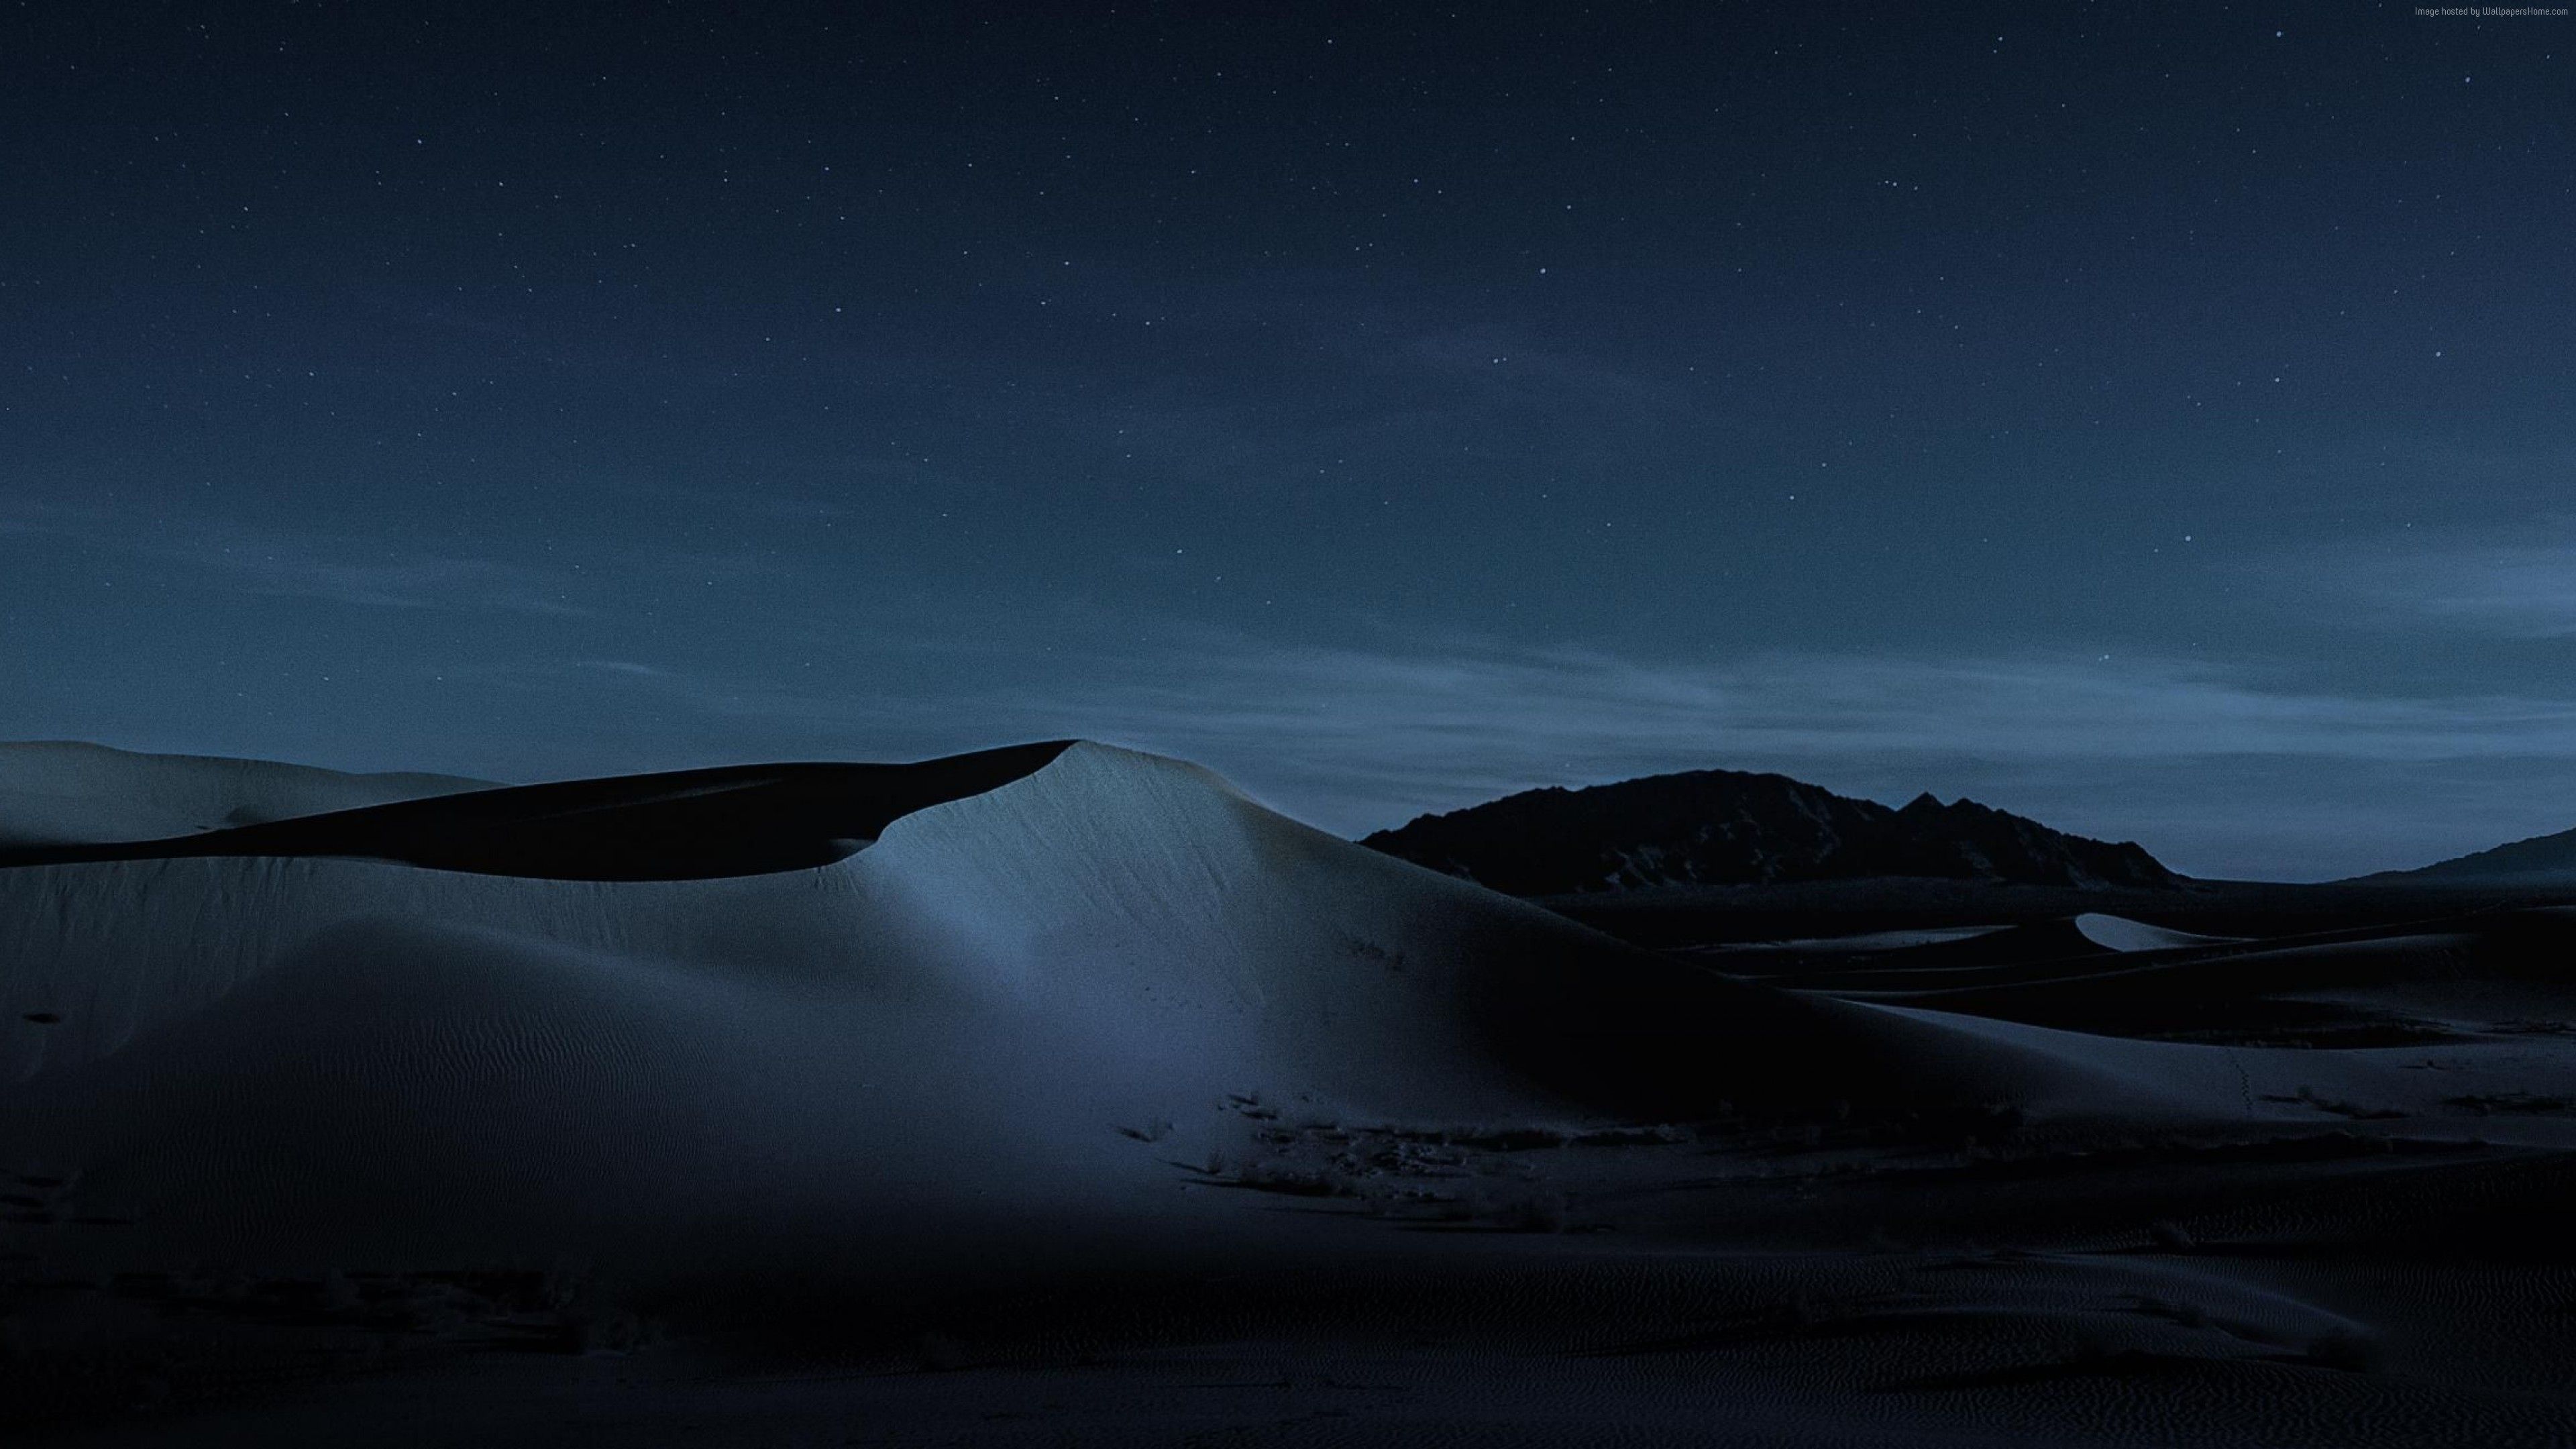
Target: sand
<point>1064,1094</point>
<point>56,793</point>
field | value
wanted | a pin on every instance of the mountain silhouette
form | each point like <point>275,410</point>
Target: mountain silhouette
<point>1726,827</point>
<point>2540,856</point>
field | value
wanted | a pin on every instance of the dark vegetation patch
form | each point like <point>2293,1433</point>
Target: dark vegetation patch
<point>2361,1036</point>
<point>2130,1364</point>
<point>2487,1103</point>
<point>2054,1161</point>
<point>137,1345</point>
<point>2308,1096</point>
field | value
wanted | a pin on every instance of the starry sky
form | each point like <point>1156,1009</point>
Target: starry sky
<point>2153,418</point>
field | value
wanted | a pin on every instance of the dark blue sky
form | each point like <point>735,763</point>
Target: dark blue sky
<point>2152,418</point>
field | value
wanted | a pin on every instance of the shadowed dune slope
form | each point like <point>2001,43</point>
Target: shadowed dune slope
<point>64,793</point>
<point>683,825</point>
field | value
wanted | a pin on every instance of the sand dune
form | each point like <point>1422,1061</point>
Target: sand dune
<point>900,1036</point>
<point>1056,940</point>
<point>63,793</point>
<point>1140,898</point>
<point>684,825</point>
<point>2119,933</point>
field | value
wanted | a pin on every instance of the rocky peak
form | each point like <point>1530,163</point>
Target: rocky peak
<point>1726,827</point>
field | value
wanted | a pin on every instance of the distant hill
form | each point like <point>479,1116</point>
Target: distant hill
<point>2541,855</point>
<point>1725,827</point>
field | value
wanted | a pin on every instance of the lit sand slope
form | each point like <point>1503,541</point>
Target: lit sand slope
<point>2119,933</point>
<point>1920,957</point>
<point>61,793</point>
<point>351,1058</point>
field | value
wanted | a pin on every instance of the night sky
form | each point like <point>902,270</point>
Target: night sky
<point>2154,418</point>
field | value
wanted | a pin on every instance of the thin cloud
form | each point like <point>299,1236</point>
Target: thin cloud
<point>412,581</point>
<point>1355,737</point>
<point>272,563</point>
<point>1359,732</point>
<point>2523,587</point>
<point>2522,592</point>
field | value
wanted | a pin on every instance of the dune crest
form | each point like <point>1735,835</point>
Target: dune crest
<point>677,825</point>
<point>65,793</point>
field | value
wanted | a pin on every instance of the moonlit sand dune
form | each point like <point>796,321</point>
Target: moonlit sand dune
<point>866,1037</point>
<point>61,793</point>
<point>1108,938</point>
<point>2118,933</point>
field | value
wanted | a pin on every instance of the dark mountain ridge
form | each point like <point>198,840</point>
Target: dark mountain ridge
<point>1727,827</point>
<point>2540,857</point>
